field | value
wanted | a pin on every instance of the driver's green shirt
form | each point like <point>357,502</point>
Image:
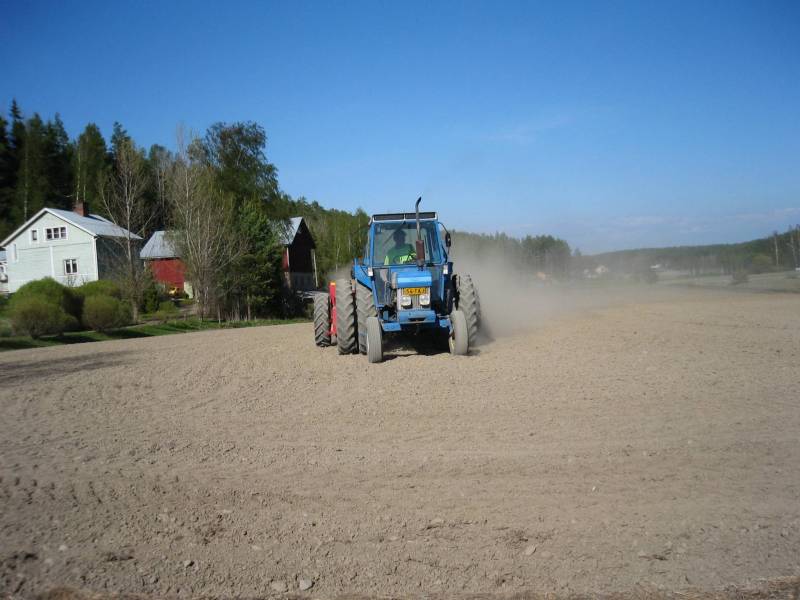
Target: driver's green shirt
<point>400,255</point>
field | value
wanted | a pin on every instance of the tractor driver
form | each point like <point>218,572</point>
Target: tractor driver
<point>402,252</point>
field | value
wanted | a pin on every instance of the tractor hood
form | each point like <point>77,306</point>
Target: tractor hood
<point>411,278</point>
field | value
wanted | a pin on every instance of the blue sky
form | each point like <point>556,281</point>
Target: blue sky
<point>611,124</point>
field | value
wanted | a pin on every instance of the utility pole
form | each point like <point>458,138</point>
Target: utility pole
<point>775,240</point>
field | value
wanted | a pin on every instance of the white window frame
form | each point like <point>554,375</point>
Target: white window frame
<point>50,233</point>
<point>74,263</point>
<point>34,236</point>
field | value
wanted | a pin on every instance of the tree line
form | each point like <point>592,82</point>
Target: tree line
<point>777,252</point>
<point>217,193</point>
<point>535,254</point>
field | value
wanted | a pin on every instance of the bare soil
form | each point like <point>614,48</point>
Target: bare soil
<point>651,444</point>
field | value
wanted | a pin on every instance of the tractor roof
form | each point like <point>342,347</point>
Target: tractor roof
<point>423,216</point>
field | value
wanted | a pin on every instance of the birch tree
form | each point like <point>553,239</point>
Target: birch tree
<point>202,219</point>
<point>122,194</point>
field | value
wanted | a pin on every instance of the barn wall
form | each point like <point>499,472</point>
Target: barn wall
<point>169,271</point>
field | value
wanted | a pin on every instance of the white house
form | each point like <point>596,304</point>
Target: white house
<point>3,276</point>
<point>71,247</point>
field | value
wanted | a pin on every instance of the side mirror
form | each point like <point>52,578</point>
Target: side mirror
<point>447,239</point>
<point>420,252</point>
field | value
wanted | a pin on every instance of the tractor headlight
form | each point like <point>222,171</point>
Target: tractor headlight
<point>405,301</point>
<point>424,299</point>
<point>446,269</point>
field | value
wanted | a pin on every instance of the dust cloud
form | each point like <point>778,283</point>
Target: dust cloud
<point>515,300</point>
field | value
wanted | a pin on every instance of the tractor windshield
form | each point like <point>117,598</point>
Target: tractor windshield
<point>395,243</point>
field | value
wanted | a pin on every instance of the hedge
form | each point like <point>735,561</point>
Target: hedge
<point>38,315</point>
<point>103,313</point>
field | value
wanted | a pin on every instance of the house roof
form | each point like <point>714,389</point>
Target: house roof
<point>93,224</point>
<point>291,230</point>
<point>158,246</point>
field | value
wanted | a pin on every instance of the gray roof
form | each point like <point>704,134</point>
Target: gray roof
<point>158,246</point>
<point>94,224</point>
<point>291,231</point>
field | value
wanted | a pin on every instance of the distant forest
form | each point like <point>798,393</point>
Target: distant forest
<point>778,252</point>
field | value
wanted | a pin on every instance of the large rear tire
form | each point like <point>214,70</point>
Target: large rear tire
<point>374,340</point>
<point>459,338</point>
<point>322,320</point>
<point>365,308</point>
<point>470,304</point>
<point>345,317</point>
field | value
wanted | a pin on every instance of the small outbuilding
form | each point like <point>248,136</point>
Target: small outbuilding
<point>299,259</point>
<point>161,257</point>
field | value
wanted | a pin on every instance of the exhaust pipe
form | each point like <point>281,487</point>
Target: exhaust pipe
<point>420,244</point>
<point>416,208</point>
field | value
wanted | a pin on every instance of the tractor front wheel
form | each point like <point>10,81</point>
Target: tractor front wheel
<point>374,340</point>
<point>459,337</point>
<point>365,308</point>
<point>322,320</point>
<point>345,317</point>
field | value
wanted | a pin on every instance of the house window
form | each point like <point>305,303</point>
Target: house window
<point>56,233</point>
<point>34,235</point>
<point>71,266</point>
<point>14,254</point>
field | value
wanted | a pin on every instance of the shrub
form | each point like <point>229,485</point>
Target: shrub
<point>761,263</point>
<point>151,298</point>
<point>166,311</point>
<point>52,292</point>
<point>101,287</point>
<point>36,316</point>
<point>739,276</point>
<point>102,313</point>
<point>650,276</point>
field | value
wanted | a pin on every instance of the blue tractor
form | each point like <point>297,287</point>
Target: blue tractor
<point>404,283</point>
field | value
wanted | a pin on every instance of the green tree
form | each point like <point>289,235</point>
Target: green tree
<point>6,180</point>
<point>33,186</point>
<point>89,165</point>
<point>254,279</point>
<point>159,163</point>
<point>58,164</point>
<point>119,139</point>
<point>237,153</point>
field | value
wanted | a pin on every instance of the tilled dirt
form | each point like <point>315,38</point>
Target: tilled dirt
<point>652,445</point>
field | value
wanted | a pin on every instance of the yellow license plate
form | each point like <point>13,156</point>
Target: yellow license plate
<point>415,291</point>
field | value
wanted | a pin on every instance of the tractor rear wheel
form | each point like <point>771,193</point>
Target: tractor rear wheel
<point>365,308</point>
<point>374,340</point>
<point>470,304</point>
<point>322,320</point>
<point>345,317</point>
<point>459,337</point>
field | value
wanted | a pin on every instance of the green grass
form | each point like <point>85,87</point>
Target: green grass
<point>135,331</point>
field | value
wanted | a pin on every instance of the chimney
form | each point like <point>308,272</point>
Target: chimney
<point>81,208</point>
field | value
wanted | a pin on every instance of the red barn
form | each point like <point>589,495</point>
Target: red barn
<point>299,259</point>
<point>168,269</point>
